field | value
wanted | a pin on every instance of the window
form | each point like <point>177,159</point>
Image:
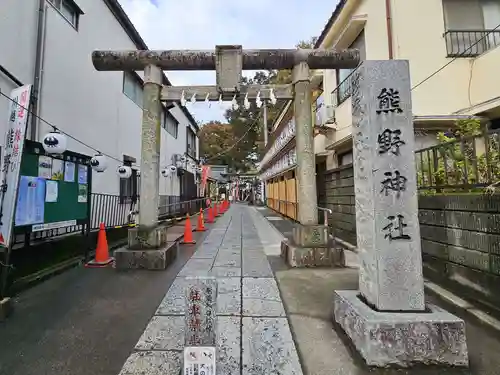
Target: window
<point>69,10</point>
<point>170,123</point>
<point>345,158</point>
<point>343,90</point>
<point>132,87</point>
<point>191,142</point>
<point>129,188</point>
<point>470,26</point>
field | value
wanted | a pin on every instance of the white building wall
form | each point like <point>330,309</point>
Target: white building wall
<point>87,104</point>
<point>18,27</point>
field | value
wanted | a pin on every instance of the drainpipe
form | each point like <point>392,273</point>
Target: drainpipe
<point>389,28</point>
<point>37,78</point>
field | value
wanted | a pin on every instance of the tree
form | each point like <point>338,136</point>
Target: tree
<point>217,145</point>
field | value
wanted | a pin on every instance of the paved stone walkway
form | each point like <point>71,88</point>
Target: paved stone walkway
<point>253,335</point>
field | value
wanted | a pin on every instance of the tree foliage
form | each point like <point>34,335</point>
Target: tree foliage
<point>245,124</point>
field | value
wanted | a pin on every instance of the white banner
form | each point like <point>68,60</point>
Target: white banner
<point>11,160</point>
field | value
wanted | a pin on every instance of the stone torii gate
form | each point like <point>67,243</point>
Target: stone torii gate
<point>146,241</point>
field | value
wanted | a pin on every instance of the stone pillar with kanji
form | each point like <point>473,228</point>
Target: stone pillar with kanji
<point>388,319</point>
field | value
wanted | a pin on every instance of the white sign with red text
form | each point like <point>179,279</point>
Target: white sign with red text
<point>11,160</point>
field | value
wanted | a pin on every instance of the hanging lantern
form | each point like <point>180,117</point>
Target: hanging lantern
<point>54,143</point>
<point>124,171</point>
<point>165,172</point>
<point>183,158</point>
<point>99,163</point>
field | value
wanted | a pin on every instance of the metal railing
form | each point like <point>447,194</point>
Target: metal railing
<point>326,212</point>
<point>470,43</point>
<point>107,209</point>
<point>467,163</point>
<point>343,91</point>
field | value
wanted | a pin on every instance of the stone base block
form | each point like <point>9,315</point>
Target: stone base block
<point>158,259</point>
<point>311,235</point>
<point>401,339</point>
<point>141,239</point>
<point>5,308</point>
<point>296,256</point>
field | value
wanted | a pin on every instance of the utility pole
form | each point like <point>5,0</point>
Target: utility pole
<point>228,61</point>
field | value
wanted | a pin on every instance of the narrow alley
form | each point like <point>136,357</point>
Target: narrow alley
<point>270,319</point>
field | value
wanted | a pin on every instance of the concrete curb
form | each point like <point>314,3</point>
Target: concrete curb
<point>459,304</point>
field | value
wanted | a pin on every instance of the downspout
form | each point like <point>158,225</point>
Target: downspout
<point>37,78</point>
<point>389,28</point>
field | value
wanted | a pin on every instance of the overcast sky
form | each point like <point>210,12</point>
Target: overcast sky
<point>201,24</point>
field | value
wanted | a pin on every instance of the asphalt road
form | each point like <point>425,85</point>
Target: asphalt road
<point>84,321</point>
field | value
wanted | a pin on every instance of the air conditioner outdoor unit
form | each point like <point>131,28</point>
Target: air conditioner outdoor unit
<point>330,114</point>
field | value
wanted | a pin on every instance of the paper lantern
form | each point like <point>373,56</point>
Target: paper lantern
<point>54,143</point>
<point>99,163</point>
<point>124,171</point>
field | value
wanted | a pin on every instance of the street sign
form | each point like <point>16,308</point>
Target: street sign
<point>11,161</point>
<point>199,360</point>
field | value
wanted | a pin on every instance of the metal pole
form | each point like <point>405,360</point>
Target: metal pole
<point>306,166</point>
<point>265,123</point>
<point>150,148</point>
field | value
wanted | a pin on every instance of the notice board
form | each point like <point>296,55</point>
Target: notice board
<point>54,190</point>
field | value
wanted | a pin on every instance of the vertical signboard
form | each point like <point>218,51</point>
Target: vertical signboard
<point>13,150</point>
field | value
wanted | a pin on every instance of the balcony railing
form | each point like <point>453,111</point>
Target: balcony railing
<point>342,91</point>
<point>470,43</point>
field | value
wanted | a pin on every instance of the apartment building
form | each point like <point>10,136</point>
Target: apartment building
<point>452,49</point>
<point>48,43</point>
<point>430,34</point>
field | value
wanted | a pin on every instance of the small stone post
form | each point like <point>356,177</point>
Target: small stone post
<point>200,328</point>
<point>306,165</point>
<point>387,319</point>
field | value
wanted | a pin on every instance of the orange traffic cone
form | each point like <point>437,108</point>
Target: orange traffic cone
<point>201,225</point>
<point>188,233</point>
<point>216,214</point>
<point>102,258</point>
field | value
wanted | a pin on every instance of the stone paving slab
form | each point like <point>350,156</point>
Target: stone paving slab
<point>152,363</point>
<point>228,260</point>
<point>256,267</point>
<point>268,347</point>
<point>196,267</point>
<point>229,297</point>
<point>261,297</point>
<point>163,333</point>
<point>174,302</point>
<point>225,272</point>
<point>228,346</point>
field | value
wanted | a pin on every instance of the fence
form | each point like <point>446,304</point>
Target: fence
<point>106,208</point>
<point>467,164</point>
